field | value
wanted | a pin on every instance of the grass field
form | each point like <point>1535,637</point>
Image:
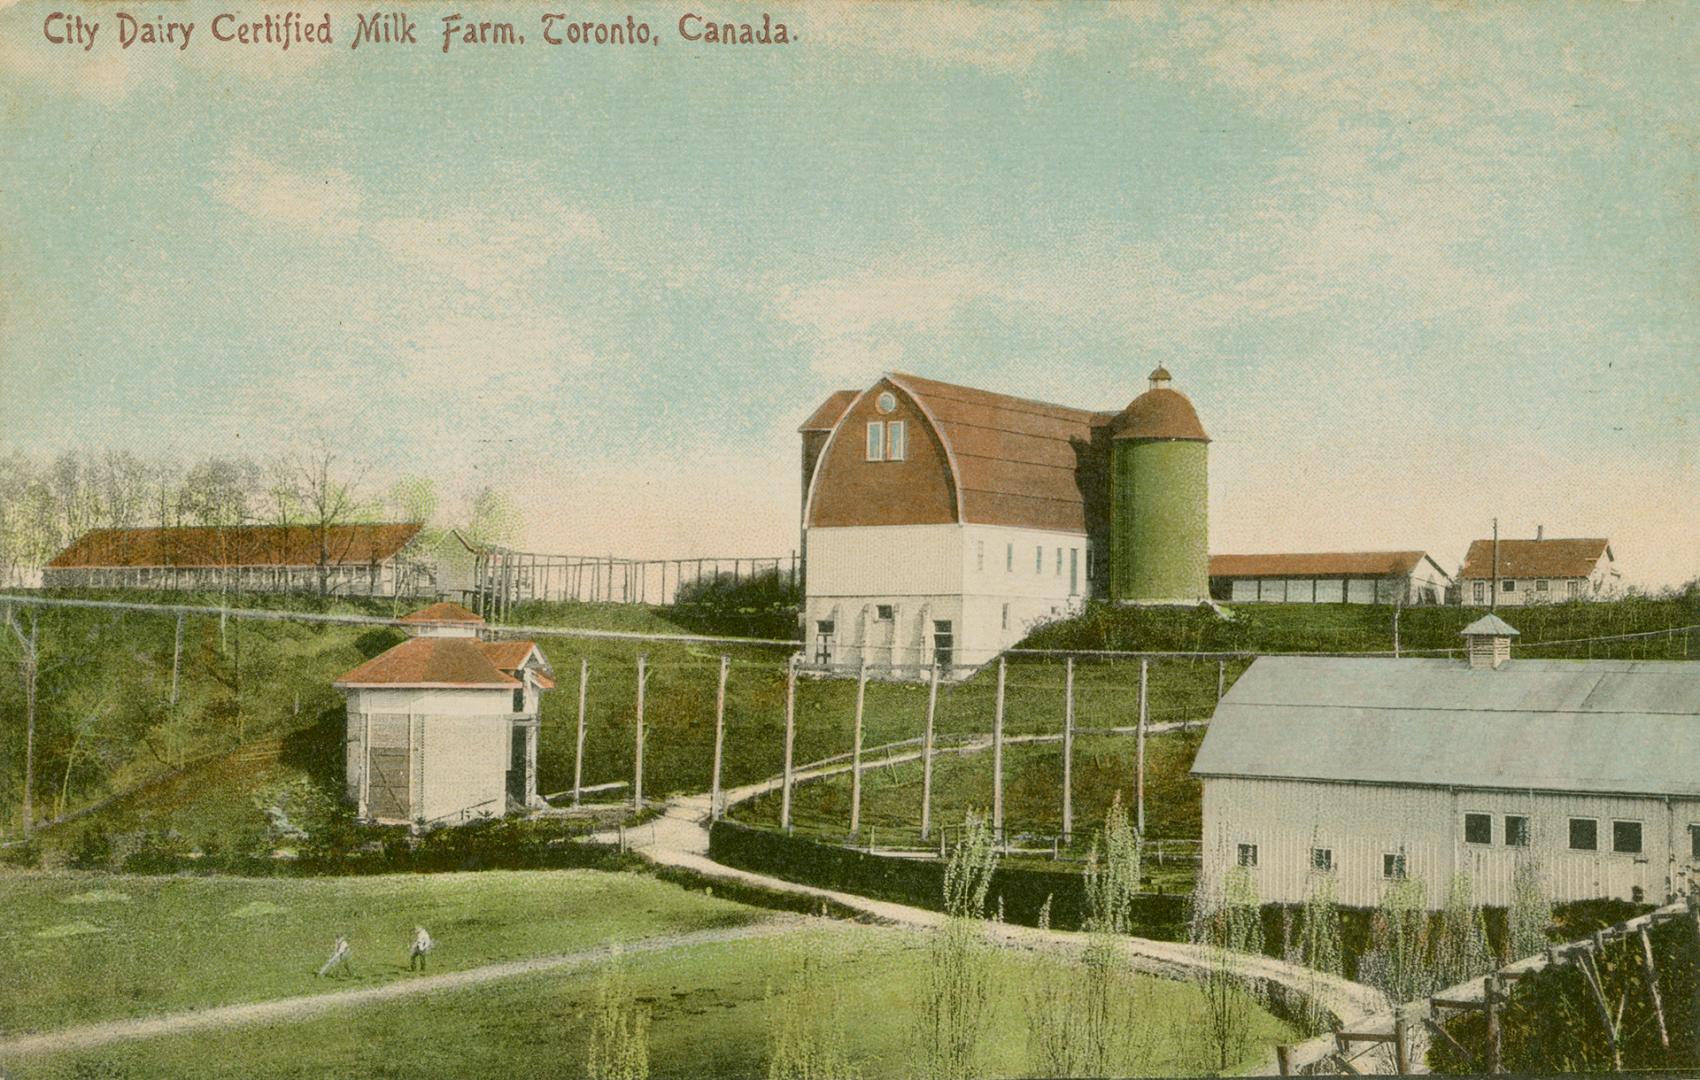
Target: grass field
<point>84,947</point>
<point>710,1014</point>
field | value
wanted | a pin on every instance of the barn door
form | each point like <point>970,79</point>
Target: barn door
<point>389,797</point>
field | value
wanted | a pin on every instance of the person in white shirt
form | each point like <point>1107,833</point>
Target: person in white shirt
<point>422,944</point>
<point>340,954</point>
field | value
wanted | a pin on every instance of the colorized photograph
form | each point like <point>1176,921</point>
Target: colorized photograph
<point>849,540</point>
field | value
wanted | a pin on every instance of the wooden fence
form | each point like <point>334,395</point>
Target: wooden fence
<point>503,578</point>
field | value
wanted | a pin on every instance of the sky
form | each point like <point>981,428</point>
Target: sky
<point>1417,266</point>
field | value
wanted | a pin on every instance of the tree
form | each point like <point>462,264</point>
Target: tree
<point>1460,946</point>
<point>1396,963</point>
<point>494,521</point>
<point>330,502</point>
<point>1530,916</point>
<point>29,671</point>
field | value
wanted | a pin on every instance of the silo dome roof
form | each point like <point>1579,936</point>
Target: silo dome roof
<point>1159,413</point>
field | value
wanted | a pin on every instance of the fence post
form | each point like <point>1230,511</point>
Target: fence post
<point>1401,1043</point>
<point>856,750</point>
<point>1068,753</point>
<point>1221,679</point>
<point>790,739</point>
<point>176,657</point>
<point>637,773</point>
<point>997,759</point>
<point>1283,1059</point>
<point>1490,999</point>
<point>719,734</point>
<point>578,744</point>
<point>927,755</point>
<point>1139,745</point>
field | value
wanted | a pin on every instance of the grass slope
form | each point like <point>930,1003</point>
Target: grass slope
<point>710,1010</point>
<point>85,947</point>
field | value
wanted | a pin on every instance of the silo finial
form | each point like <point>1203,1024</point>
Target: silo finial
<point>1160,378</point>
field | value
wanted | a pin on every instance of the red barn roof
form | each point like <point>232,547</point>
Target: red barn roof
<point>1318,564</point>
<point>1571,558</point>
<point>237,545</point>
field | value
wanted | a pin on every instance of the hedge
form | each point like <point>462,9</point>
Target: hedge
<point>1020,892</point>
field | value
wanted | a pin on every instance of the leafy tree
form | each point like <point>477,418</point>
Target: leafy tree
<point>1530,916</point>
<point>1460,945</point>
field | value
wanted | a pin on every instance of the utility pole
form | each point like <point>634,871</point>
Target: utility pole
<point>1493,601</point>
<point>719,733</point>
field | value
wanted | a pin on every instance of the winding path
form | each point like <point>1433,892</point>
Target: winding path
<point>306,1006</point>
<point>679,837</point>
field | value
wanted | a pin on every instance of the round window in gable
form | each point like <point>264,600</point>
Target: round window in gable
<point>887,402</point>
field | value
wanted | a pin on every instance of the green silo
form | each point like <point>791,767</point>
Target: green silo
<point>1159,499</point>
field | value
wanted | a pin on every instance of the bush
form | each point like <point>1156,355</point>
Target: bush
<point>764,604</point>
<point>156,852</point>
<point>92,850</point>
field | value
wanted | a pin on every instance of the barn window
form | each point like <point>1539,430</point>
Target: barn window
<point>1004,624</point>
<point>1584,834</point>
<point>1393,866</point>
<point>896,441</point>
<point>1009,558</point>
<point>1481,592</point>
<point>1248,855</point>
<point>1626,837</point>
<point>876,441</point>
<point>979,554</point>
<point>1509,585</point>
<point>1059,562</point>
<point>882,612</point>
<point>1574,588</point>
<point>1541,585</point>
<point>1039,559</point>
<point>1478,828</point>
<point>886,402</point>
<point>1322,859</point>
<point>1694,841</point>
<point>1516,830</point>
<point>519,700</point>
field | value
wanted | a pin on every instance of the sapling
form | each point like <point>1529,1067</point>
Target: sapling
<point>619,1028</point>
<point>957,992</point>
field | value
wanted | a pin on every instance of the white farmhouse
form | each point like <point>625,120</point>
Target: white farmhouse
<point>1377,769</point>
<point>442,728</point>
<point>1516,573</point>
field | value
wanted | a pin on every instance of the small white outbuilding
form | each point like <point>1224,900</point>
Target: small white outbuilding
<point>442,729</point>
<point>1372,770</point>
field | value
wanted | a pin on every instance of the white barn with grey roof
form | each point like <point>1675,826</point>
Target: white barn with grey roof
<point>1374,768</point>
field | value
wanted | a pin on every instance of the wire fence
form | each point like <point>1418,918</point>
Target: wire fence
<point>1043,739</point>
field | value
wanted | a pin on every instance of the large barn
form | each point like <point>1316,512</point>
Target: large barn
<point>941,522</point>
<point>442,729</point>
<point>382,559</point>
<point>1376,769</point>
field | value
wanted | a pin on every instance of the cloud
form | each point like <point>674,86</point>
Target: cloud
<point>325,204</point>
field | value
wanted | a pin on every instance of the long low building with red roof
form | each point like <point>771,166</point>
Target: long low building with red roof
<point>1329,577</point>
<point>443,728</point>
<point>398,559</point>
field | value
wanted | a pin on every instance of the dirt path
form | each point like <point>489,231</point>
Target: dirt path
<point>679,837</point>
<point>306,1006</point>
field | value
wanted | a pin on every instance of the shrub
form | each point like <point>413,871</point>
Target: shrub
<point>958,987</point>
<point>91,850</point>
<point>806,1039</point>
<point>619,1028</point>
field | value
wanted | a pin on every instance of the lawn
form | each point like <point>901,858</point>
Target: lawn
<point>83,947</point>
<point>710,1010</point>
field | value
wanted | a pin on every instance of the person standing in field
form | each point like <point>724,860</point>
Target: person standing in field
<point>340,954</point>
<point>422,944</point>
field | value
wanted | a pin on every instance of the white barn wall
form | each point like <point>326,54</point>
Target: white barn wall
<point>963,573</point>
<point>1361,822</point>
<point>465,765</point>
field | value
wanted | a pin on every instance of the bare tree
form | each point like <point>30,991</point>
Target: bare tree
<point>329,501</point>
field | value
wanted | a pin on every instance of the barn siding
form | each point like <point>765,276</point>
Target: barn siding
<point>465,767</point>
<point>1360,823</point>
